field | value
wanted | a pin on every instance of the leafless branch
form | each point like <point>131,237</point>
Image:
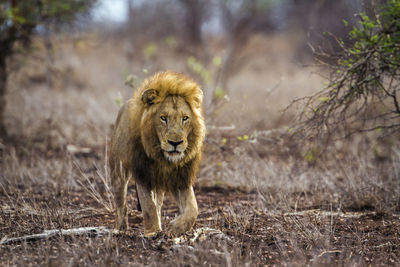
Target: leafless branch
<point>47,234</point>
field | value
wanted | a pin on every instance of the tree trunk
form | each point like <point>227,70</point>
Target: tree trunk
<point>3,85</point>
<point>193,18</point>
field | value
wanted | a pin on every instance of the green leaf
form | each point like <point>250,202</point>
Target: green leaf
<point>219,92</point>
<point>217,61</point>
<point>150,50</point>
<point>224,140</point>
<point>243,138</point>
<point>324,99</point>
<point>171,41</point>
<point>119,100</point>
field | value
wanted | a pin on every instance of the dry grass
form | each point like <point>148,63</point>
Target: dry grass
<point>279,202</point>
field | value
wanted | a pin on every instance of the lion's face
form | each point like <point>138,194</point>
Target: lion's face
<point>173,124</point>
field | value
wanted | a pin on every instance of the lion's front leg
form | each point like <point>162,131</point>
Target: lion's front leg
<point>151,202</point>
<point>188,211</point>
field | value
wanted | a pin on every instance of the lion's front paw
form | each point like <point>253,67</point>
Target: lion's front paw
<point>177,229</point>
<point>180,225</point>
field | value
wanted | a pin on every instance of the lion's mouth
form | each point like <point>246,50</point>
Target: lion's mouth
<point>174,155</point>
<point>174,152</point>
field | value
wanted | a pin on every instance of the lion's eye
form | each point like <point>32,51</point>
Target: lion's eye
<point>185,118</point>
<point>163,118</point>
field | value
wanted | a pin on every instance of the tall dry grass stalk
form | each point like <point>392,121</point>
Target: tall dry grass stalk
<point>104,197</point>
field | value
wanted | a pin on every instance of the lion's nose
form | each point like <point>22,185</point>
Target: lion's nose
<point>175,144</point>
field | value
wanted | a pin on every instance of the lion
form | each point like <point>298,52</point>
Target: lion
<point>157,140</point>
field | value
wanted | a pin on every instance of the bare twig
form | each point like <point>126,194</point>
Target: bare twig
<point>47,234</point>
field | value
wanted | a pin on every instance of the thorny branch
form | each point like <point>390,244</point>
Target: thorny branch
<point>362,94</point>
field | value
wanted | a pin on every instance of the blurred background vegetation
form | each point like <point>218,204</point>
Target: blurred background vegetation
<point>65,68</point>
<point>216,41</point>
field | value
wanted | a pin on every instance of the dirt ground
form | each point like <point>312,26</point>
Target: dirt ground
<point>269,199</point>
<point>321,235</point>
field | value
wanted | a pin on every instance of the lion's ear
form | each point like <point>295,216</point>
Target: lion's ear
<point>149,96</point>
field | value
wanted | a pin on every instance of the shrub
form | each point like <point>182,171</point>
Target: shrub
<point>363,91</point>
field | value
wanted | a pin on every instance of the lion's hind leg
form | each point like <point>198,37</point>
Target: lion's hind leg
<point>151,202</point>
<point>120,180</point>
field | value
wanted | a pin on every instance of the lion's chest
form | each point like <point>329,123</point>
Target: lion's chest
<point>163,175</point>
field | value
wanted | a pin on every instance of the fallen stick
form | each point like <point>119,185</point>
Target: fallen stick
<point>90,231</point>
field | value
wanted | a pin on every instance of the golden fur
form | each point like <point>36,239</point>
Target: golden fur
<point>158,139</point>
